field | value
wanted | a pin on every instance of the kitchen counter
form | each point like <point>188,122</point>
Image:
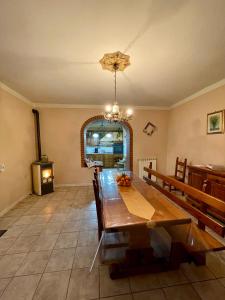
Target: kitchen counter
<point>109,160</point>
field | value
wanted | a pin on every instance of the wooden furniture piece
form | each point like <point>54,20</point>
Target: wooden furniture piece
<point>140,256</point>
<point>193,242</point>
<point>180,172</point>
<point>98,208</point>
<point>211,182</point>
<point>113,239</point>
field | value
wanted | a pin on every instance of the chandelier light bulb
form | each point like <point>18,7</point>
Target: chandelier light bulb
<point>108,108</point>
<point>95,135</point>
<point>115,108</point>
<point>129,112</point>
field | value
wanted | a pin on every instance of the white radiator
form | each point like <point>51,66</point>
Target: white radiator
<point>144,162</point>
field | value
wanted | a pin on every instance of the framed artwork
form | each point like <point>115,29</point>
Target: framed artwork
<point>215,122</point>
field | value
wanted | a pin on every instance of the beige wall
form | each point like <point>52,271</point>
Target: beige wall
<point>187,131</point>
<point>16,149</point>
<point>181,132</point>
<point>60,131</point>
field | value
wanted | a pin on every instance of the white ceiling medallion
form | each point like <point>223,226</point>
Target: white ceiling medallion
<point>114,62</point>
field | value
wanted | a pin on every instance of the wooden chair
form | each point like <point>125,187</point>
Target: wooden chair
<point>180,172</point>
<point>98,204</point>
<point>113,239</point>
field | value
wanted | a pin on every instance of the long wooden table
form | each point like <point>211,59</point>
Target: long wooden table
<point>140,257</point>
<point>116,214</point>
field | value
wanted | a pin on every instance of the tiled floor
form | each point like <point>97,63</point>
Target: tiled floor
<point>50,243</point>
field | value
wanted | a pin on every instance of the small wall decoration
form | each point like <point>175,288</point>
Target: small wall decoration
<point>215,122</point>
<point>149,128</point>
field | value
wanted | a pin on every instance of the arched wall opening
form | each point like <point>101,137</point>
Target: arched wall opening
<point>127,142</point>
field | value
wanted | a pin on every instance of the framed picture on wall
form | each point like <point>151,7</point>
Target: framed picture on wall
<point>215,122</point>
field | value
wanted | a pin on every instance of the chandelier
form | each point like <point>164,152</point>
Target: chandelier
<point>114,62</point>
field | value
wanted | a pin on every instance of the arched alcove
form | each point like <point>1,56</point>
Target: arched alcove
<point>129,140</point>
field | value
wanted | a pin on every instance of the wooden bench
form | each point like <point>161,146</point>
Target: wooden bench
<point>190,242</point>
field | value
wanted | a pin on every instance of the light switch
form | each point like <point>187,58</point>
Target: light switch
<point>2,167</point>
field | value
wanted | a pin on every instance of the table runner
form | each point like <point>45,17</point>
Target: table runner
<point>136,203</point>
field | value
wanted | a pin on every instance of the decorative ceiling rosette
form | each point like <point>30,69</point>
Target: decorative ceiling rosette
<point>116,60</point>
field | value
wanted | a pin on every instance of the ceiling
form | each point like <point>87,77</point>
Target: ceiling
<point>49,49</point>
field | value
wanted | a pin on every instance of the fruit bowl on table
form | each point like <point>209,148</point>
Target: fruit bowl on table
<point>123,180</point>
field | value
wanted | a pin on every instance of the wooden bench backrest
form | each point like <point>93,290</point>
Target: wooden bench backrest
<point>207,200</point>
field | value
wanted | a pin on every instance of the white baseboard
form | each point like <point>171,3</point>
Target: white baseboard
<point>4,211</point>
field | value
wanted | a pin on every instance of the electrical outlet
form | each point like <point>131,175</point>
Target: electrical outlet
<point>2,167</point>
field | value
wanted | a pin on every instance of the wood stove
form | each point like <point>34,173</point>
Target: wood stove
<point>42,177</point>
<point>42,169</point>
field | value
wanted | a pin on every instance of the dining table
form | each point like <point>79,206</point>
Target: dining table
<point>144,213</point>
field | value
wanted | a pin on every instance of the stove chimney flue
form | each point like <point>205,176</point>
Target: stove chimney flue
<point>38,135</point>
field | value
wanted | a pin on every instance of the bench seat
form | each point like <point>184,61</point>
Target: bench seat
<point>194,239</point>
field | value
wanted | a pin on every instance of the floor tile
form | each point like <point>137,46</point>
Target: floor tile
<point>6,222</point>
<point>5,244</point>
<point>70,195</point>
<point>34,263</point>
<point>14,232</point>
<point>182,292</point>
<point>67,240</point>
<point>216,263</point>
<point>61,259</point>
<point>144,282</point>
<point>33,229</point>
<point>48,210</point>
<point>53,286</point>
<point>91,205</point>
<point>73,216</point>
<point>32,211</point>
<point>89,214</point>
<point>83,285</point>
<point>121,297</point>
<point>211,289</point>
<point>52,228</point>
<point>3,284</point>
<point>58,218</point>
<point>84,256</point>
<point>109,287</point>
<point>22,244</point>
<point>16,212</point>
<point>21,288</point>
<point>172,278</point>
<point>222,281</point>
<point>42,219</point>
<point>45,242</point>
<point>87,238</point>
<point>24,220</point>
<point>88,224</point>
<point>71,226</point>
<point>150,295</point>
<point>9,264</point>
<point>196,273</point>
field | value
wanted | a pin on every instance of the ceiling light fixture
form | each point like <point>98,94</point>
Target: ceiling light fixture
<point>95,135</point>
<point>114,62</point>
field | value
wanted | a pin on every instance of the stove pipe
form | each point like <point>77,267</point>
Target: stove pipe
<point>38,136</point>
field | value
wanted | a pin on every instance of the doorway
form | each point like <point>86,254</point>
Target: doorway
<point>108,143</point>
